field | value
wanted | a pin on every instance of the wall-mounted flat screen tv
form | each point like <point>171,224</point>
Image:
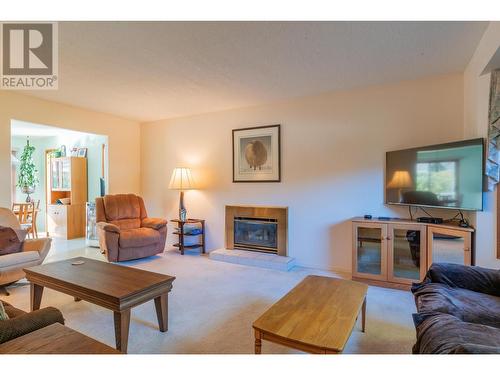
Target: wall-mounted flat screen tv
<point>448,175</point>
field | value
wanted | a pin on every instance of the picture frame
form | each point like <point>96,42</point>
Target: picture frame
<point>74,152</point>
<point>82,152</point>
<point>257,154</point>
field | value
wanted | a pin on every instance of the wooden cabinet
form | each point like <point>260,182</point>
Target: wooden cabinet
<point>406,253</point>
<point>370,251</point>
<point>449,245</point>
<point>61,174</point>
<point>397,253</point>
<point>68,183</point>
<point>57,220</point>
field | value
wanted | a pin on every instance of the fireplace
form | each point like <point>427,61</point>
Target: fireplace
<point>256,234</point>
<point>262,229</point>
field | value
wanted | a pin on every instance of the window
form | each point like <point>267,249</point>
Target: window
<point>439,177</point>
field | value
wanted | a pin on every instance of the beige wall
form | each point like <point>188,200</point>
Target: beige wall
<point>333,150</point>
<point>124,143</point>
<point>476,97</point>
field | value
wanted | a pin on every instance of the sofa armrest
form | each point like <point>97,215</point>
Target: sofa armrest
<point>42,245</point>
<point>153,223</point>
<point>108,227</point>
<point>29,322</point>
<point>477,279</point>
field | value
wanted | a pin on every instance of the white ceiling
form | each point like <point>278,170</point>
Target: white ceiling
<point>155,70</point>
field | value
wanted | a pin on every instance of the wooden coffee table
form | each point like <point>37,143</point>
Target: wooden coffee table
<point>317,316</point>
<point>117,288</point>
<point>55,339</point>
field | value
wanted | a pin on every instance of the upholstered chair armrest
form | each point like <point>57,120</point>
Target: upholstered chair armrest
<point>153,223</point>
<point>109,235</point>
<point>42,245</point>
<point>108,227</point>
<point>26,323</point>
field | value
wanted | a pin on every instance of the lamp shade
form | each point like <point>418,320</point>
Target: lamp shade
<point>181,179</point>
<point>400,180</point>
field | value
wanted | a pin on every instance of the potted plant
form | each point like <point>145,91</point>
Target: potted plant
<point>28,178</point>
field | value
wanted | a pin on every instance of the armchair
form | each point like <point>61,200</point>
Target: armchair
<point>125,231</point>
<point>33,253</point>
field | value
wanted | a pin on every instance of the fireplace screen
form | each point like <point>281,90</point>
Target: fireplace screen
<point>256,234</point>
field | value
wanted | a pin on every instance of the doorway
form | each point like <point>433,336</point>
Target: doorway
<point>76,160</point>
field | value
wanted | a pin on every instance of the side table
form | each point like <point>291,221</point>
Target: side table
<point>180,232</point>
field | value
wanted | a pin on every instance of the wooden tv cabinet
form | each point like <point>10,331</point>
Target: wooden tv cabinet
<point>395,253</point>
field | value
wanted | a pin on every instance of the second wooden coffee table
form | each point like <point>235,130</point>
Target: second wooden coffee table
<point>317,316</point>
<point>114,287</point>
<point>55,339</point>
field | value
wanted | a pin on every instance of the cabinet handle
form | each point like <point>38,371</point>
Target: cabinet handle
<point>389,238</point>
<point>466,249</point>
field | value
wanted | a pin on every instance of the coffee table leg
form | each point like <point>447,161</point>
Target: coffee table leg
<point>122,323</point>
<point>258,342</point>
<point>363,315</point>
<point>161,304</point>
<point>36,292</point>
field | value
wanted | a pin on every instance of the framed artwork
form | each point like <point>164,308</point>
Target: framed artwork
<point>257,154</point>
<point>74,152</point>
<point>82,152</point>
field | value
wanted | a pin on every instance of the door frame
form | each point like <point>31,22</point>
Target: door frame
<point>48,181</point>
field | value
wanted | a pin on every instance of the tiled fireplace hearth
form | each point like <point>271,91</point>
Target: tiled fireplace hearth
<point>256,236</point>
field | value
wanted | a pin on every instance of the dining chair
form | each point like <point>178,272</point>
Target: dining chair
<point>35,215</point>
<point>26,214</point>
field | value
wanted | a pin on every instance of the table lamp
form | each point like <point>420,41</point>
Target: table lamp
<point>400,180</point>
<point>181,180</point>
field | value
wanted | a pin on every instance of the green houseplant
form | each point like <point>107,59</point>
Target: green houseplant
<point>28,174</point>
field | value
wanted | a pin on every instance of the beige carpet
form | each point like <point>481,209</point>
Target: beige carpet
<point>213,304</point>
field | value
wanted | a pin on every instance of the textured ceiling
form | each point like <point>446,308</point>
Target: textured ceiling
<point>156,70</point>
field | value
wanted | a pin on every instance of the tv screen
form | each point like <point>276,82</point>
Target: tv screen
<point>449,175</point>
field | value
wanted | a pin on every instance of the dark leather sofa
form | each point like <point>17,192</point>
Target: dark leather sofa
<point>458,310</point>
<point>21,323</point>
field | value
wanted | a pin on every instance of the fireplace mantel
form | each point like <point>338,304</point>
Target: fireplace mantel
<point>278,215</point>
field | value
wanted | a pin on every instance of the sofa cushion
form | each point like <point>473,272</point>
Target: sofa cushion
<point>122,206</point>
<point>139,237</point>
<point>466,305</point>
<point>124,224</point>
<point>478,279</point>
<point>447,334</point>
<point>15,260</point>
<point>11,240</point>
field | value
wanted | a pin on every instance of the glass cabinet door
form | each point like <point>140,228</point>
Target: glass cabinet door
<point>370,250</point>
<point>449,246</point>
<point>407,244</point>
<point>65,174</point>
<point>55,174</point>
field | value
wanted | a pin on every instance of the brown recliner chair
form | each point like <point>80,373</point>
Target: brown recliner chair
<point>124,229</point>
